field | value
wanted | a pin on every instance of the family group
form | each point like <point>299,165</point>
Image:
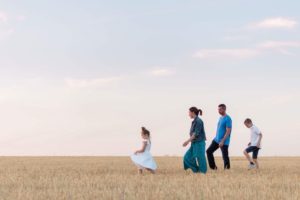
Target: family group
<point>195,157</point>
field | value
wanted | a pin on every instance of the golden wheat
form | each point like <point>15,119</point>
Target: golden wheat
<point>85,178</point>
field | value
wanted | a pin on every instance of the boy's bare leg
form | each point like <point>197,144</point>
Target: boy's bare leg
<point>256,163</point>
<point>247,156</point>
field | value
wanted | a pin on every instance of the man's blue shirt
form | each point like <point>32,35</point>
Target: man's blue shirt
<point>224,122</point>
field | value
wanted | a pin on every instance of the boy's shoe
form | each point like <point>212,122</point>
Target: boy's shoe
<point>251,166</point>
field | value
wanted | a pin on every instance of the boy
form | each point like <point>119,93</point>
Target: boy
<point>254,145</point>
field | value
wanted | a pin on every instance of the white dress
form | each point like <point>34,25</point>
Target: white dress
<point>145,159</point>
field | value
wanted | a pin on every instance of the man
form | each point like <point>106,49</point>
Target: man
<point>221,140</point>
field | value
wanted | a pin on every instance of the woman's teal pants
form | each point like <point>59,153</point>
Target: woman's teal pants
<point>195,159</point>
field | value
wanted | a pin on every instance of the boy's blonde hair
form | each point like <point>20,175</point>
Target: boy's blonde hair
<point>248,121</point>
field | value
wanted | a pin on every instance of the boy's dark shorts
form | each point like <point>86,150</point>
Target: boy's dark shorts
<point>253,149</point>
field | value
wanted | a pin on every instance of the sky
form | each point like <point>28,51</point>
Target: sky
<point>82,77</point>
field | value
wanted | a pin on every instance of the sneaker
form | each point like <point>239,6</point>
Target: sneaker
<point>251,166</point>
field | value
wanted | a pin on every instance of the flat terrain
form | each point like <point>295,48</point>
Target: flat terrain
<point>108,178</point>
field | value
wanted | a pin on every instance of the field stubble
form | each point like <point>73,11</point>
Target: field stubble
<point>107,178</point>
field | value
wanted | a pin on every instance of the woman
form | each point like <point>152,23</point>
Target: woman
<point>194,158</point>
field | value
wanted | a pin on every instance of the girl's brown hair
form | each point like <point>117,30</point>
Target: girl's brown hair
<point>145,131</point>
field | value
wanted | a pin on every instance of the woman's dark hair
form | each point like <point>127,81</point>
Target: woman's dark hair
<point>196,111</point>
<point>145,131</point>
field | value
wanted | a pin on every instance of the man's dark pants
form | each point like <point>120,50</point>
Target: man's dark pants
<point>210,156</point>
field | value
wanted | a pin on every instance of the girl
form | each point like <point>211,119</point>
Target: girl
<point>195,157</point>
<point>142,158</point>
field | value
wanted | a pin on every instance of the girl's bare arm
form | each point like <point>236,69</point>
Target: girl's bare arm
<point>143,148</point>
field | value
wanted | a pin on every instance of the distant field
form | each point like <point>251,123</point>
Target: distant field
<point>108,178</point>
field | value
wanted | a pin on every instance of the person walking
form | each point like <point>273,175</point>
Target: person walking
<point>194,158</point>
<point>221,140</point>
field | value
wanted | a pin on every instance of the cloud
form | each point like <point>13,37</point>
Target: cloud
<point>6,33</point>
<point>3,17</point>
<point>161,72</point>
<point>236,38</point>
<point>240,53</point>
<point>87,83</point>
<point>276,22</point>
<point>279,44</point>
<point>6,28</point>
<point>21,18</point>
<point>282,47</point>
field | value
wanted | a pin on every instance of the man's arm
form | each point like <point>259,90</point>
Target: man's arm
<point>228,131</point>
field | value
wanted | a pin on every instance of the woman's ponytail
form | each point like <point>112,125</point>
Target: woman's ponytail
<point>200,112</point>
<point>196,111</point>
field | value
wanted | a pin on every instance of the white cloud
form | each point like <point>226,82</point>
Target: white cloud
<point>6,28</point>
<point>162,72</point>
<point>279,44</point>
<point>282,47</point>
<point>3,17</point>
<point>240,53</point>
<point>21,17</point>
<point>276,22</point>
<point>86,83</point>
<point>6,33</point>
<point>236,37</point>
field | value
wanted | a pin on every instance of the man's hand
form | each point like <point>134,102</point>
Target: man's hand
<point>258,145</point>
<point>221,144</point>
<point>228,131</point>
<point>185,143</point>
<point>136,152</point>
<point>249,144</point>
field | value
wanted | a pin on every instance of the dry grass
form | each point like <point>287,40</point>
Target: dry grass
<point>108,178</point>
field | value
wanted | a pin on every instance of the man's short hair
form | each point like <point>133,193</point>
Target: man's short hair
<point>248,121</point>
<point>222,106</point>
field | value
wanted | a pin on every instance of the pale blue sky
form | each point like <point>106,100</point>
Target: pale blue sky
<point>80,78</point>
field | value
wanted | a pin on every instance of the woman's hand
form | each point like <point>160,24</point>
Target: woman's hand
<point>136,152</point>
<point>185,143</point>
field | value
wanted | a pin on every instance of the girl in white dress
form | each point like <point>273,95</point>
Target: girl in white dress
<point>142,158</point>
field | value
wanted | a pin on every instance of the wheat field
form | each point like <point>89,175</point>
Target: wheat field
<point>106,178</point>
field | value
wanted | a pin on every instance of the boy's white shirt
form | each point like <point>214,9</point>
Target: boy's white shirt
<point>255,133</point>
